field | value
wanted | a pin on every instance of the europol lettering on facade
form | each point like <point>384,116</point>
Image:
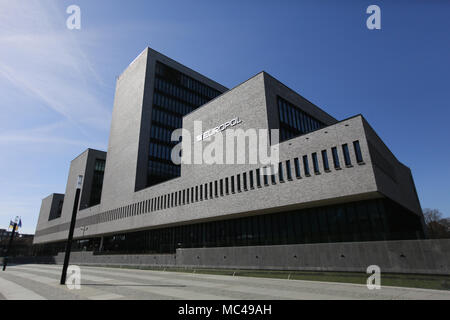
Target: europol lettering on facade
<point>218,129</point>
<point>335,181</point>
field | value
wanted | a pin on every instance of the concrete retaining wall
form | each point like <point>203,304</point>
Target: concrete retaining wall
<point>404,256</point>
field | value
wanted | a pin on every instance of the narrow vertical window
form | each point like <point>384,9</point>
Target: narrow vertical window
<point>244,180</point>
<point>221,187</point>
<point>238,180</point>
<point>306,165</point>
<point>192,194</point>
<point>346,155</point>
<point>227,189</point>
<point>252,183</point>
<point>211,190</point>
<point>216,191</point>
<point>297,168</point>
<point>315,163</point>
<point>334,151</point>
<point>201,192</point>
<point>288,170</point>
<point>266,177</point>
<point>326,165</point>
<point>358,153</point>
<point>272,175</point>
<point>232,184</point>
<point>206,191</point>
<point>258,178</point>
<point>280,172</point>
<point>184,196</point>
<point>187,196</point>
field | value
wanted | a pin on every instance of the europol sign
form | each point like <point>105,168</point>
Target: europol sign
<point>222,127</point>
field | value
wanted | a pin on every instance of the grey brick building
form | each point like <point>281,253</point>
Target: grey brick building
<point>336,180</point>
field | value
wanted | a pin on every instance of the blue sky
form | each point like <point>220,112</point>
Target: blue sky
<point>57,85</point>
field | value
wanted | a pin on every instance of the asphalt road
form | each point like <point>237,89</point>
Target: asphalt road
<point>41,282</point>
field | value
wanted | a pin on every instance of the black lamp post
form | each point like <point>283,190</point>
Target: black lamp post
<point>71,229</point>
<point>8,249</point>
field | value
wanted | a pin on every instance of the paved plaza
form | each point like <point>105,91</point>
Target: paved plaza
<point>41,282</point>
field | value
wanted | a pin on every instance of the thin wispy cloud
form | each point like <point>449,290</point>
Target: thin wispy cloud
<point>52,107</point>
<point>45,60</point>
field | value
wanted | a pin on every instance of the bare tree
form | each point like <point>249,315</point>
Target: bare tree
<point>436,225</point>
<point>432,215</point>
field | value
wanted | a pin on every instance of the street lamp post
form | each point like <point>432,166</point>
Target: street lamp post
<point>8,249</point>
<point>71,230</point>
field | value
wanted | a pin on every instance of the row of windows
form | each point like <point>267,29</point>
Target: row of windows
<point>161,134</point>
<point>97,182</point>
<point>171,104</point>
<point>298,167</point>
<point>172,86</point>
<point>162,169</point>
<point>55,214</point>
<point>185,81</point>
<point>160,151</point>
<point>294,121</point>
<point>370,220</point>
<point>167,119</point>
<point>99,165</point>
<point>180,93</point>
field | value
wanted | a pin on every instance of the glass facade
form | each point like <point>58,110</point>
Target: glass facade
<point>370,220</point>
<point>55,214</point>
<point>97,182</point>
<point>175,95</point>
<point>294,121</point>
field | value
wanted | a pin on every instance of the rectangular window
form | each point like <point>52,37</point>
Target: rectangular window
<point>306,165</point>
<point>272,175</point>
<point>201,192</point>
<point>238,180</point>
<point>326,166</point>
<point>297,168</point>
<point>334,151</point>
<point>266,177</point>
<point>288,169</point>
<point>192,194</point>
<point>252,183</point>
<point>346,155</point>
<point>196,193</point>
<point>232,184</point>
<point>244,180</point>
<point>206,191</point>
<point>358,153</point>
<point>258,178</point>
<point>280,172</point>
<point>227,190</point>
<point>211,190</point>
<point>187,196</point>
<point>315,163</point>
<point>216,191</point>
<point>184,196</point>
<point>221,187</point>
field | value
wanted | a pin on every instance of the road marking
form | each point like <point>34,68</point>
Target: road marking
<point>13,291</point>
